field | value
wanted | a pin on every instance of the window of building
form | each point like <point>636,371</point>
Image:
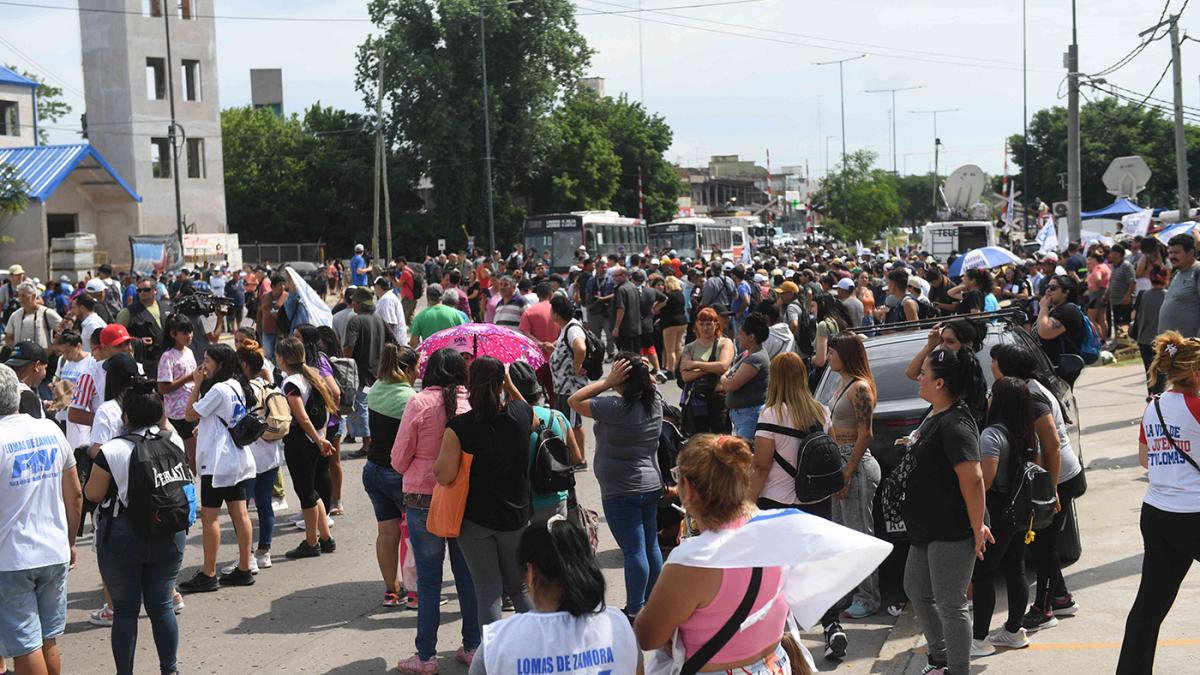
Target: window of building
<point>160,157</point>
<point>156,79</point>
<point>152,8</point>
<point>10,122</point>
<point>191,80</point>
<point>187,9</point>
<point>60,225</point>
<point>195,158</point>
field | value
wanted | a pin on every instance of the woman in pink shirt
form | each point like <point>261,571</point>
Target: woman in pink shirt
<point>698,601</point>
<point>443,395</point>
<point>1097,289</point>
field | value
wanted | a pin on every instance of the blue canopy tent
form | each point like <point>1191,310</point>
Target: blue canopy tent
<point>1114,211</point>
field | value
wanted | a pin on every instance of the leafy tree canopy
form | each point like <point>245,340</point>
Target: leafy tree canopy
<point>870,195</point>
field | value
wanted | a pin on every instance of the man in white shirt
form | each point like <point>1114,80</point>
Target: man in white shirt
<point>40,504</point>
<point>32,321</point>
<point>86,315</point>
<point>389,308</point>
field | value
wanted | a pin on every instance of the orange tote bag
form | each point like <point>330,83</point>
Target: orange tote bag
<point>450,502</point>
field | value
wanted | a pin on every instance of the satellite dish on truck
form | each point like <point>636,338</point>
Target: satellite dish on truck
<point>1126,176</point>
<point>964,187</point>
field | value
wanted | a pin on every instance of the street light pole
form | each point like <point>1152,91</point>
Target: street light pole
<point>487,134</point>
<point>893,93</point>
<point>171,133</point>
<point>937,144</point>
<point>842,93</point>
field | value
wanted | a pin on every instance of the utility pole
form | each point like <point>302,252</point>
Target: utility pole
<point>1024,124</point>
<point>842,94</point>
<point>1181,168</point>
<point>171,131</point>
<point>378,155</point>
<point>937,145</point>
<point>893,93</point>
<point>487,134</point>
<point>1074,179</point>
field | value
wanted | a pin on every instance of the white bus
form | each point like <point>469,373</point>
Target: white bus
<point>601,232</point>
<point>697,238</point>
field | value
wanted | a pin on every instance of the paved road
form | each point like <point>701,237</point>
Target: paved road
<point>323,615</point>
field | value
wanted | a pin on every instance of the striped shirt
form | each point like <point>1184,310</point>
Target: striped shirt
<point>509,313</point>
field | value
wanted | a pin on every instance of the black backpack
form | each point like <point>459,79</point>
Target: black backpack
<point>593,357</point>
<point>159,504</point>
<point>819,463</point>
<point>551,470</point>
<point>1030,502</point>
<point>670,441</point>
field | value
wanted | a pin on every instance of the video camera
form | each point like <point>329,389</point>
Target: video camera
<point>201,302</point>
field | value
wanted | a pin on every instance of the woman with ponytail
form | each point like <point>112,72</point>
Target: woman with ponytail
<point>568,616</point>
<point>495,432</point>
<point>943,507</point>
<point>384,485</point>
<point>268,455</point>
<point>1057,456</point>
<point>311,403</point>
<point>627,430</point>
<point>316,355</point>
<point>221,398</point>
<point>1171,509</point>
<point>443,395</point>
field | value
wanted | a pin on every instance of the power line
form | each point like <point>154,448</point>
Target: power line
<point>1136,51</point>
<point>634,10</point>
<point>336,19</point>
<point>853,47</point>
<point>41,69</point>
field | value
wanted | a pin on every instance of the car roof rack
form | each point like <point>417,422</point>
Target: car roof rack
<point>1008,314</point>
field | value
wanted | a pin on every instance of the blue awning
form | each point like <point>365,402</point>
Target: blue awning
<point>1114,211</point>
<point>45,167</point>
<point>9,77</point>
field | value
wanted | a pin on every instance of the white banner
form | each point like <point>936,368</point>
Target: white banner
<point>1047,237</point>
<point>1137,224</point>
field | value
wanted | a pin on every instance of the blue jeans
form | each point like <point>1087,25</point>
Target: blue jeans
<point>633,521</point>
<point>429,551</point>
<point>357,422</point>
<point>385,487</point>
<point>744,420</point>
<point>134,568</point>
<point>262,490</point>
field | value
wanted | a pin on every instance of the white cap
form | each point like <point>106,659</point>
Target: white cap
<point>727,266</point>
<point>358,248</point>
<point>845,284</point>
<point>788,274</point>
<point>94,286</point>
<point>759,279</point>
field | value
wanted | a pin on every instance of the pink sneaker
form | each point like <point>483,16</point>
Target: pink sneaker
<point>464,655</point>
<point>416,666</point>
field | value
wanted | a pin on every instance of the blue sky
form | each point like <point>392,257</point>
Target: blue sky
<point>721,91</point>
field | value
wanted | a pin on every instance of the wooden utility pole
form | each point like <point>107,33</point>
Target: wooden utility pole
<point>378,155</point>
<point>1181,167</point>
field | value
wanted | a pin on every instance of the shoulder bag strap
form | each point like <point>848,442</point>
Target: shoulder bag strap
<point>727,631</point>
<point>1167,433</point>
<point>787,431</point>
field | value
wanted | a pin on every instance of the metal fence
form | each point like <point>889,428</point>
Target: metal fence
<point>261,254</point>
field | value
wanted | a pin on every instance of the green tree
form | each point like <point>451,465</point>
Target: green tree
<point>264,157</point>
<point>14,197</point>
<point>433,101</point>
<point>595,146</point>
<point>1107,129</point>
<point>915,195</point>
<point>871,195</point>
<point>50,106</point>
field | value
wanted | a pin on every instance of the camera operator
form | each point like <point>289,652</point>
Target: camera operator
<point>144,319</point>
<point>195,300</point>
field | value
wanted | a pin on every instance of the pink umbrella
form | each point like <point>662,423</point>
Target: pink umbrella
<point>484,339</point>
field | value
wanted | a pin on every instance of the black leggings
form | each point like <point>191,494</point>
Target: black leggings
<point>1008,553</point>
<point>1171,542</point>
<point>303,463</point>
<point>1050,582</point>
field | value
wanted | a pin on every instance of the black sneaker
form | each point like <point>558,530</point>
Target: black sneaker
<point>238,577</point>
<point>506,604</point>
<point>835,642</point>
<point>1064,606</point>
<point>327,545</point>
<point>303,550</point>
<point>201,583</point>
<point>1037,618</point>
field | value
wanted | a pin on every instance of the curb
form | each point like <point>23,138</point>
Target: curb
<point>900,649</point>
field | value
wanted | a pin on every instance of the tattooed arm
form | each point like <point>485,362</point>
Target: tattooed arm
<point>1048,327</point>
<point>862,401</point>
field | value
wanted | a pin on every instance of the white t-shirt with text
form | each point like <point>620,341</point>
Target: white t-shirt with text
<point>33,519</point>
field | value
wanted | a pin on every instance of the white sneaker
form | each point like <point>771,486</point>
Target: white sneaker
<point>299,524</point>
<point>233,566</point>
<point>1002,638</point>
<point>262,562</point>
<point>981,648</point>
<point>102,616</point>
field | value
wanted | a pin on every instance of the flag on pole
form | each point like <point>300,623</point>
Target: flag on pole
<point>860,250</point>
<point>768,174</point>
<point>641,197</point>
<point>1009,193</point>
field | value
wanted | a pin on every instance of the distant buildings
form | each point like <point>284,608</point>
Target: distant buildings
<point>266,89</point>
<point>730,184</point>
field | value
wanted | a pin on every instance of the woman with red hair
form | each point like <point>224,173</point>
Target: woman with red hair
<point>701,365</point>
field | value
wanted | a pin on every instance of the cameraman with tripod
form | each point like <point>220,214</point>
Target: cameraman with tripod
<point>196,301</point>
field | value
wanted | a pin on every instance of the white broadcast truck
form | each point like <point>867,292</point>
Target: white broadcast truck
<point>956,230</point>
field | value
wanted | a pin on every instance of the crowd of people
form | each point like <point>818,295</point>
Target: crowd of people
<point>146,406</point>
